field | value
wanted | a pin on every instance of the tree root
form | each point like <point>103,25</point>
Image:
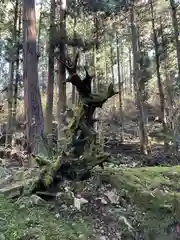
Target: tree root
<point>76,169</point>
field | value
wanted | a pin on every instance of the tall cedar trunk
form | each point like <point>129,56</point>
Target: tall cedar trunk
<point>74,54</point>
<point>119,86</point>
<point>112,63</point>
<point>50,87</point>
<point>143,96</point>
<point>176,32</point>
<point>105,61</point>
<point>39,26</point>
<point>95,49</point>
<point>73,87</point>
<point>95,60</point>
<point>143,134</point>
<point>95,72</point>
<point>61,76</point>
<point>11,81</point>
<point>112,73</point>
<point>123,88</point>
<point>168,82</point>
<point>33,106</point>
<point>159,82</point>
<point>17,69</point>
<point>130,73</point>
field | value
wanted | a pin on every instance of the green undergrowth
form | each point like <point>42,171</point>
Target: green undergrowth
<point>153,191</point>
<point>38,223</point>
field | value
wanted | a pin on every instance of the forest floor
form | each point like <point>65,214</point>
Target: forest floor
<point>129,203</point>
<point>125,200</point>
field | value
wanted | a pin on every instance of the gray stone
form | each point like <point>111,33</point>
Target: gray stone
<point>36,200</point>
<point>112,196</point>
<point>102,238</point>
<point>4,172</point>
<point>2,237</point>
<point>14,190</point>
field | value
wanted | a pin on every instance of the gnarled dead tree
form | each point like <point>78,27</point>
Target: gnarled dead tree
<point>81,152</point>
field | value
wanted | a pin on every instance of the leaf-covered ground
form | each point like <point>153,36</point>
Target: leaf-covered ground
<point>129,203</point>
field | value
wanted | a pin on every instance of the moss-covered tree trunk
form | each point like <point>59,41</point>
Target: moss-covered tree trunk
<point>81,152</point>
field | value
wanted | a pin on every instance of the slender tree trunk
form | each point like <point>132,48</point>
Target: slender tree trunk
<point>74,54</point>
<point>61,76</point>
<point>17,69</point>
<point>142,93</point>
<point>50,87</point>
<point>130,73</point>
<point>95,49</point>
<point>112,64</point>
<point>33,106</point>
<point>113,78</point>
<point>159,81</point>
<point>120,86</point>
<point>168,81</point>
<point>10,105</point>
<point>95,60</point>
<point>11,81</point>
<point>95,84</point>
<point>105,61</point>
<point>143,134</point>
<point>123,81</point>
<point>176,32</point>
<point>39,27</point>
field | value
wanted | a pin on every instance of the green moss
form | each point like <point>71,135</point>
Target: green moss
<point>38,223</point>
<point>78,112</point>
<point>48,179</point>
<point>154,191</point>
<point>41,161</point>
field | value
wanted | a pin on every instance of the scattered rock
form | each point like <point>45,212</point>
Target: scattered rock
<point>24,202</point>
<point>103,201</point>
<point>79,201</point>
<point>36,200</point>
<point>23,206</point>
<point>2,161</point>
<point>4,172</point>
<point>7,180</point>
<point>65,198</point>
<point>64,206</point>
<point>102,238</point>
<point>112,196</point>
<point>82,237</point>
<point>2,237</point>
<point>83,200</point>
<point>57,215</point>
<point>12,191</point>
